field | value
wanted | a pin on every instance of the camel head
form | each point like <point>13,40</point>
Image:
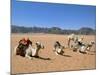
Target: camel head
<point>92,42</point>
<point>39,45</point>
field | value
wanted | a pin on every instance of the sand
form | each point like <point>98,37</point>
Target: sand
<point>68,62</point>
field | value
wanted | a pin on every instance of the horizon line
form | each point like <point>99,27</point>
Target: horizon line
<point>55,26</point>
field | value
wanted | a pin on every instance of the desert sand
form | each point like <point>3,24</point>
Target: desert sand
<point>68,62</point>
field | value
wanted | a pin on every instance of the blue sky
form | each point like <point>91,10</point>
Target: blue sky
<point>65,16</point>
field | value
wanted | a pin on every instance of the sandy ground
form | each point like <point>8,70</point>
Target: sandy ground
<point>68,62</point>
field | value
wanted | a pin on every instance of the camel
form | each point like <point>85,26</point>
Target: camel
<point>30,51</point>
<point>58,48</point>
<point>72,37</point>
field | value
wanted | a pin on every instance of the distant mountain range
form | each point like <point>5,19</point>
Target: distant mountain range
<point>53,30</point>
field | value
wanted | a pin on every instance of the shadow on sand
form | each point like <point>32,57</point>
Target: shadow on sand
<point>91,53</point>
<point>65,55</point>
<point>88,53</point>
<point>42,58</point>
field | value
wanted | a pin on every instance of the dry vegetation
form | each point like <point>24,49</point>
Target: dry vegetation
<point>70,61</point>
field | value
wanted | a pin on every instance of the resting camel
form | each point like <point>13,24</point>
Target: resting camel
<point>86,47</point>
<point>82,47</point>
<point>30,51</point>
<point>73,38</point>
<point>58,48</point>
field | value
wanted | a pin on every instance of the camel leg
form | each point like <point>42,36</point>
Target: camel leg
<point>56,53</point>
<point>28,53</point>
<point>88,48</point>
<point>29,57</point>
<point>37,55</point>
<point>68,42</point>
<point>33,52</point>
